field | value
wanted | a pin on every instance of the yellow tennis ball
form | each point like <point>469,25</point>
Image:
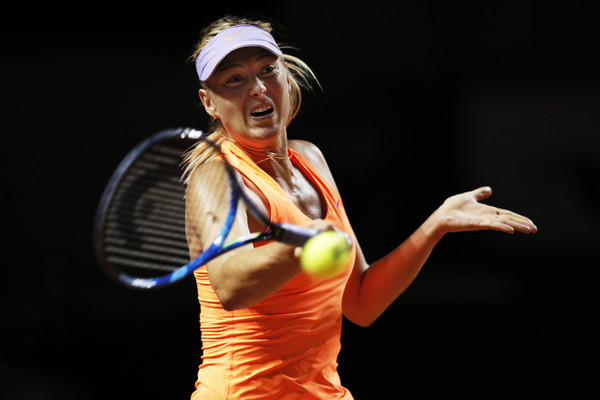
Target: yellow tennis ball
<point>326,254</point>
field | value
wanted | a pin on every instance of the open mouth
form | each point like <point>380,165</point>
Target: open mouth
<point>262,111</point>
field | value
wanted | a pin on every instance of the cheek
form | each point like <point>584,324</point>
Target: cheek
<point>227,109</point>
<point>288,104</point>
<point>283,90</point>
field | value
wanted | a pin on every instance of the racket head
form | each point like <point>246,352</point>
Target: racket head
<point>139,227</point>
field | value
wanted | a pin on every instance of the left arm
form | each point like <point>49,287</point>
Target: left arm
<point>372,288</point>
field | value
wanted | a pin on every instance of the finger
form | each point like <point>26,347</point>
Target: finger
<point>482,193</point>
<point>522,224</point>
<point>519,222</point>
<point>497,225</point>
<point>322,225</point>
<point>502,227</point>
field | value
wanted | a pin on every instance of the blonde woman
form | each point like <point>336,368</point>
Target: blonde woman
<point>270,331</point>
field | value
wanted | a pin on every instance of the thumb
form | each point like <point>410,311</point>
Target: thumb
<point>482,193</point>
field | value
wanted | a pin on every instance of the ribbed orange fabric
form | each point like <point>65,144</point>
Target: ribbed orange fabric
<point>286,346</point>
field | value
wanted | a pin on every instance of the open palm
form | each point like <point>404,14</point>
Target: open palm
<point>464,212</point>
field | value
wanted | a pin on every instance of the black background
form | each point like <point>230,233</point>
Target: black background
<point>421,101</point>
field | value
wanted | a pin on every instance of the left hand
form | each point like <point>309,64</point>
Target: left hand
<point>463,212</point>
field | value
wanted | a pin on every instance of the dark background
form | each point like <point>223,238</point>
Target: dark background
<point>421,101</point>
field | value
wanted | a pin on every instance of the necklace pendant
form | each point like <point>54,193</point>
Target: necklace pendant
<point>271,155</point>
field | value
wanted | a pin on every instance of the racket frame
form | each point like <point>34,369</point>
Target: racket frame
<point>284,232</point>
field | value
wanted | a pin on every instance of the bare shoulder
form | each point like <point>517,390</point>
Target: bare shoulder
<point>307,150</point>
<point>315,156</point>
<point>204,177</point>
<point>208,189</point>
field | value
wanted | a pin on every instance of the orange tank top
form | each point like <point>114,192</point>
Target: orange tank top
<point>285,346</point>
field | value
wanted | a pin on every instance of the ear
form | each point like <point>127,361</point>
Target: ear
<point>208,104</point>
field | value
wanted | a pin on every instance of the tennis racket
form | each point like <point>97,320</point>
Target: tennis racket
<point>139,229</point>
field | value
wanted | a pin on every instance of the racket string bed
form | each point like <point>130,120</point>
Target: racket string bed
<point>144,228</point>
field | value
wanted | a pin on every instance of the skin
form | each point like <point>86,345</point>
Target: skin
<point>250,80</point>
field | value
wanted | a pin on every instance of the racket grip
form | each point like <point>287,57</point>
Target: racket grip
<point>294,235</point>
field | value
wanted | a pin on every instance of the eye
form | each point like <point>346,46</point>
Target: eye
<point>268,69</point>
<point>233,79</point>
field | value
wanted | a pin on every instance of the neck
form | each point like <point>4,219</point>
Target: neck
<point>265,153</point>
<point>274,159</point>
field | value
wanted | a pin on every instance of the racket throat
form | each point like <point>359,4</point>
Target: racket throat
<point>291,234</point>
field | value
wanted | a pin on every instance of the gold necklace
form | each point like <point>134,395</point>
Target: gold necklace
<point>273,156</point>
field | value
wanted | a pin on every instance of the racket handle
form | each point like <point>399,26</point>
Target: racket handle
<point>293,234</point>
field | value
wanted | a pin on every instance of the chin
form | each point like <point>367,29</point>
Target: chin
<point>265,133</point>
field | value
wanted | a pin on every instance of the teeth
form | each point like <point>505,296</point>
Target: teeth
<point>261,109</point>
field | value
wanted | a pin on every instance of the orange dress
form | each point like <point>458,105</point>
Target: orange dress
<point>286,346</point>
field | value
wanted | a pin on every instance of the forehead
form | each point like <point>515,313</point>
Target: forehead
<point>245,55</point>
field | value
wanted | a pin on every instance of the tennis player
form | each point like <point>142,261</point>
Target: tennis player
<point>270,331</point>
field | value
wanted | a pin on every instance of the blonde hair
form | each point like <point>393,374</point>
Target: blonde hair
<point>300,74</point>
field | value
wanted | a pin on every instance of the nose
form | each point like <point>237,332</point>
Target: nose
<point>258,88</point>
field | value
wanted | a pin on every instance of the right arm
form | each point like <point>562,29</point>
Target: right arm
<point>241,277</point>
